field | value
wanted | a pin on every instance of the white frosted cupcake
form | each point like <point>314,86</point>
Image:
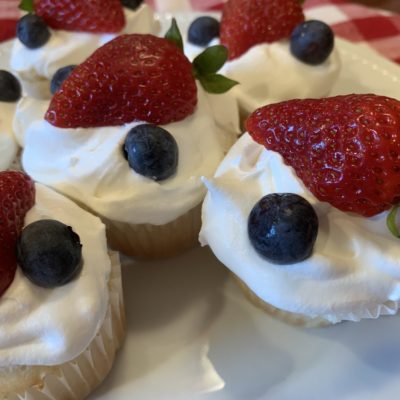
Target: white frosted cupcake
<point>149,213</point>
<point>344,267</point>
<point>258,37</point>
<point>60,331</point>
<point>68,44</point>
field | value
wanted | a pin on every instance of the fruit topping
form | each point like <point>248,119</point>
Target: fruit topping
<point>246,23</point>
<point>10,88</point>
<point>131,4</point>
<point>96,16</point>
<point>49,253</point>
<point>133,77</point>
<point>202,30</point>
<point>345,149</point>
<point>283,228</point>
<point>312,42</point>
<point>59,77</point>
<point>151,151</point>
<point>32,31</point>
<point>17,196</point>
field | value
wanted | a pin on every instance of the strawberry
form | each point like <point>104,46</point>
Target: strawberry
<point>246,23</point>
<point>17,196</point>
<point>97,16</point>
<point>133,77</point>
<point>345,149</point>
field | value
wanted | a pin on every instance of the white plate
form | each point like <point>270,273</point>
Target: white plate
<point>192,335</point>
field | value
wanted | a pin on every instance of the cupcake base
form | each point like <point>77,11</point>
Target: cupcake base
<point>286,316</point>
<point>151,242</point>
<point>75,379</point>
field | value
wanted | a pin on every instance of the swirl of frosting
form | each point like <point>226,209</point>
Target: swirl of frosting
<point>52,326</point>
<point>354,271</point>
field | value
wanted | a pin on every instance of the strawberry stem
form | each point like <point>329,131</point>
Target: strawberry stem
<point>391,222</point>
<point>26,5</point>
<point>174,35</point>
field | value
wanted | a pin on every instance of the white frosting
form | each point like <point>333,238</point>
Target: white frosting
<point>52,326</point>
<point>88,165</point>
<point>354,271</point>
<point>8,145</point>
<point>269,73</point>
<point>66,48</point>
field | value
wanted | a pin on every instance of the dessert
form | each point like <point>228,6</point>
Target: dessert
<point>141,105</point>
<point>54,37</point>
<point>10,93</point>
<point>341,156</point>
<point>260,36</point>
<point>62,321</point>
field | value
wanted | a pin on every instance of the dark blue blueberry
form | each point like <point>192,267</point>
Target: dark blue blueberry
<point>49,253</point>
<point>312,42</point>
<point>59,77</point>
<point>32,31</point>
<point>151,151</point>
<point>131,4</point>
<point>202,30</point>
<point>283,228</point>
<point>10,88</point>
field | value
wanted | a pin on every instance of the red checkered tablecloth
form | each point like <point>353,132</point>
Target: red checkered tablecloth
<point>377,28</point>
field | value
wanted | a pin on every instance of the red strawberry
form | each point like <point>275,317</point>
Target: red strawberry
<point>133,77</point>
<point>82,15</point>
<point>345,149</point>
<point>17,196</point>
<point>246,23</point>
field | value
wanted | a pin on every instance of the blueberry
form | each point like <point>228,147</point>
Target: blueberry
<point>312,42</point>
<point>202,30</point>
<point>32,31</point>
<point>59,77</point>
<point>10,88</point>
<point>49,253</point>
<point>151,151</point>
<point>283,228</point>
<point>131,4</point>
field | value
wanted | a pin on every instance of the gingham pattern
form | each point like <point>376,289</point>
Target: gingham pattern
<point>377,28</point>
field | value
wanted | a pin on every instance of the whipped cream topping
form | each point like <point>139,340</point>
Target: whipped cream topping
<point>269,73</point>
<point>8,145</point>
<point>89,166</point>
<point>354,271</point>
<point>52,326</point>
<point>66,48</point>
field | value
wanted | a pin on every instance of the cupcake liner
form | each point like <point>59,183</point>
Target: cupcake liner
<point>75,379</point>
<point>286,316</point>
<point>149,242</point>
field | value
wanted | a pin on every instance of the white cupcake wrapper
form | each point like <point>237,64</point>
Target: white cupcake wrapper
<point>75,379</point>
<point>148,241</point>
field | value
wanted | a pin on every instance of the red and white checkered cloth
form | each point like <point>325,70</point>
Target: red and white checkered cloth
<point>376,28</point>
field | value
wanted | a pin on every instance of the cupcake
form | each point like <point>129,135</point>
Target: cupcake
<point>273,52</point>
<point>61,302</point>
<point>132,144</point>
<point>10,93</point>
<point>64,34</point>
<point>300,207</point>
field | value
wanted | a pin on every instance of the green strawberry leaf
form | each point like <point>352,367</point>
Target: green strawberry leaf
<point>210,60</point>
<point>391,222</point>
<point>174,35</point>
<point>26,5</point>
<point>216,83</point>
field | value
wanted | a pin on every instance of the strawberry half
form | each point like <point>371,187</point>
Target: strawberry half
<point>17,196</point>
<point>246,23</point>
<point>133,77</point>
<point>97,16</point>
<point>345,149</point>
